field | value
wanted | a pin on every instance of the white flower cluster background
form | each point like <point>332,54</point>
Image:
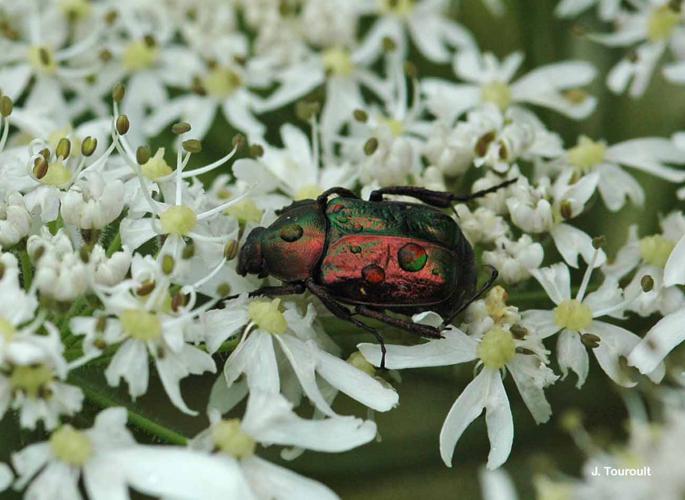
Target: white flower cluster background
<point>141,141</point>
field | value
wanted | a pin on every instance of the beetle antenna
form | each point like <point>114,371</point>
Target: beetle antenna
<point>486,286</point>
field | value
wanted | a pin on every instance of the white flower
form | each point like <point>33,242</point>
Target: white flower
<point>32,368</point>
<point>146,321</point>
<point>91,202</point>
<point>269,420</point>
<point>425,21</point>
<point>109,270</point>
<point>481,225</point>
<point>555,86</point>
<point>653,26</point>
<point>547,208</point>
<point>60,272</point>
<point>648,154</point>
<point>514,258</point>
<point>576,319</point>
<point>496,350</point>
<point>15,220</point>
<point>300,345</point>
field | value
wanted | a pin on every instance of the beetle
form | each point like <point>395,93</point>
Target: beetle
<point>367,257</point>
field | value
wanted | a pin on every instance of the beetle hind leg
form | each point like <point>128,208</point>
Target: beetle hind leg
<point>402,324</point>
<point>344,313</point>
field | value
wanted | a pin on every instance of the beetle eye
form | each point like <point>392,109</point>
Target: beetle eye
<point>291,232</point>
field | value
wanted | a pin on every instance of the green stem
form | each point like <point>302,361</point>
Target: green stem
<point>26,269</point>
<point>134,417</point>
<point>114,245</point>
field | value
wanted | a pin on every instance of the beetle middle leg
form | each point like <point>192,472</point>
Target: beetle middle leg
<point>402,324</point>
<point>344,313</point>
<point>440,199</point>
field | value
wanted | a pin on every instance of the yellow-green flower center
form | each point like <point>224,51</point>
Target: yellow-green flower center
<point>7,329</point>
<point>230,438</point>
<point>139,54</point>
<point>308,192</point>
<point>178,220</point>
<point>141,325</point>
<point>42,59</point>
<point>358,360</point>
<point>267,315</point>
<point>661,23</point>
<point>398,7</point>
<point>496,348</point>
<point>497,93</point>
<point>156,167</point>
<point>71,446</point>
<point>57,174</point>
<point>31,379</point>
<point>245,211</point>
<point>337,61</point>
<point>587,154</point>
<point>221,82</point>
<point>656,249</point>
<point>573,315</point>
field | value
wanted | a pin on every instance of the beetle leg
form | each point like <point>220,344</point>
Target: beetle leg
<point>322,199</point>
<point>274,291</point>
<point>408,326</point>
<point>441,199</point>
<point>344,313</point>
<point>486,286</point>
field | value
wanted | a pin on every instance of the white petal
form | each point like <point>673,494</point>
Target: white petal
<point>615,184</point>
<point>278,483</point>
<point>173,368</point>
<point>135,232</point>
<point>175,472</point>
<point>129,363</point>
<point>571,242</point>
<point>357,384</point>
<point>224,398</point>
<point>303,359</point>
<point>497,485</point>
<point>571,354</point>
<point>449,100</point>
<point>456,347</point>
<point>465,410</point>
<point>542,322</point>
<point>661,339</point>
<point>6,477</point>
<point>104,482</point>
<point>269,419</point>
<point>500,423</point>
<point>674,272</point>
<point>556,280</point>
<point>615,342</point>
<point>256,358</point>
<point>521,369</point>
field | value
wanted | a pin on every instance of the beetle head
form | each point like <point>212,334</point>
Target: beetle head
<point>251,259</point>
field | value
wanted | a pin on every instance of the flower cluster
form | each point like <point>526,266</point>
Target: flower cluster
<point>120,229</point>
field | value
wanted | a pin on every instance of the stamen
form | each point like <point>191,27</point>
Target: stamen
<point>224,206</point>
<point>586,276</point>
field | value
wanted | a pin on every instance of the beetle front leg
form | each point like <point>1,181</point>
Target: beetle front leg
<point>407,326</point>
<point>342,312</point>
<point>486,286</point>
<point>275,291</point>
